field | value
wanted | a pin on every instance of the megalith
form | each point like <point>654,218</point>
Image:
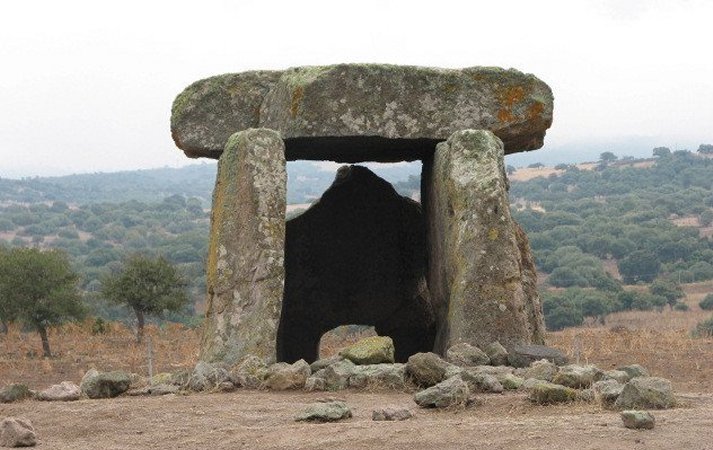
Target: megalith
<point>455,268</point>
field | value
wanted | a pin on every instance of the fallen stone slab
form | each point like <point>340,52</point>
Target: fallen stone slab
<point>17,432</point>
<point>66,391</point>
<point>330,411</point>
<point>452,392</point>
<point>607,391</point>
<point>389,376</point>
<point>391,413</point>
<point>524,355</point>
<point>638,420</point>
<point>577,377</point>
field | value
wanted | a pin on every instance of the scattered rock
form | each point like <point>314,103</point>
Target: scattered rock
<point>510,381</point>
<point>250,372</point>
<point>161,378</point>
<point>453,391</point>
<point>541,370</point>
<point>64,392</point>
<point>464,354</point>
<point>634,370</point>
<point>524,355</point>
<point>546,393</point>
<point>391,376</point>
<point>497,353</point>
<point>337,375</point>
<point>14,392</point>
<point>325,412</point>
<point>282,376</point>
<point>207,376</point>
<point>530,383</point>
<point>324,363</point>
<point>638,419</point>
<point>426,369</point>
<point>607,391</point>
<point>577,377</point>
<point>481,382</point>
<point>391,413</point>
<point>646,392</point>
<point>370,350</point>
<point>104,384</point>
<point>618,375</point>
<point>315,383</point>
<point>17,432</point>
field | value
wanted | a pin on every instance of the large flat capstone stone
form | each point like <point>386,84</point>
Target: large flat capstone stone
<point>363,112</point>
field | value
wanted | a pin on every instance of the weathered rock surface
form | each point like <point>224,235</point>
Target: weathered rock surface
<point>356,256</point>
<point>451,392</point>
<point>250,372</point>
<point>634,370</point>
<point>207,376</point>
<point>336,376</point>
<point>464,354</point>
<point>510,381</point>
<point>638,419</point>
<point>481,382</point>
<point>394,113</point>
<point>646,392</point>
<point>607,390</point>
<point>524,355</point>
<point>155,390</point>
<point>481,273</point>
<point>370,350</point>
<point>426,369</point>
<point>14,392</point>
<point>324,363</point>
<point>283,376</point>
<point>618,375</point>
<point>577,377</point>
<point>245,268</point>
<point>541,370</point>
<point>64,392</point>
<point>391,413</point>
<point>17,432</point>
<point>97,384</point>
<point>390,376</point>
<point>545,393</point>
<point>497,353</point>
<point>324,412</point>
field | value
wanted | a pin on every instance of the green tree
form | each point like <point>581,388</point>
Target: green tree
<point>639,265</point>
<point>40,289</point>
<point>662,152</point>
<point>706,149</point>
<point>668,289</point>
<point>608,157</point>
<point>149,286</point>
<point>707,303</point>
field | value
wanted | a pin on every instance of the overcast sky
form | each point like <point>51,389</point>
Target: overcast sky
<point>87,86</point>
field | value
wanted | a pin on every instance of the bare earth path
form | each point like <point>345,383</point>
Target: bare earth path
<point>263,420</point>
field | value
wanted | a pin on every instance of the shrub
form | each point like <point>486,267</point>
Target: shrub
<point>705,328</point>
<point>680,306</point>
<point>707,303</point>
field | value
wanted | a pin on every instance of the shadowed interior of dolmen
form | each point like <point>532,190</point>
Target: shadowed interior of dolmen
<point>357,256</point>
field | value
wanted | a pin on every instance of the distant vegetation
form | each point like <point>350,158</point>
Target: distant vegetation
<point>623,221</point>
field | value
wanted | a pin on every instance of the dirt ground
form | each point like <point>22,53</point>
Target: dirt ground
<point>262,420</point>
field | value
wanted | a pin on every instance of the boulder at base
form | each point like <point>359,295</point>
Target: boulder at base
<point>105,384</point>
<point>324,412</point>
<point>452,392</point>
<point>646,392</point>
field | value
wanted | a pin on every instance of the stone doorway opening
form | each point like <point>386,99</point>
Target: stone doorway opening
<point>356,256</point>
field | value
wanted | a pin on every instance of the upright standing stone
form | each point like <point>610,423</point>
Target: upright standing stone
<point>245,274</point>
<point>481,271</point>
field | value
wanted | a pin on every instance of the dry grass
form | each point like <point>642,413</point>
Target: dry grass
<point>76,350</point>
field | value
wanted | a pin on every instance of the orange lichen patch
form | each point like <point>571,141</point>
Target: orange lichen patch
<point>535,110</point>
<point>504,115</point>
<point>512,95</point>
<point>297,95</point>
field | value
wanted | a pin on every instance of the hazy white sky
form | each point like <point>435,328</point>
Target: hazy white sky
<point>87,85</point>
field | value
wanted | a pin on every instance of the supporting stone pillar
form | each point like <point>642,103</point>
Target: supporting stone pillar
<point>245,273</point>
<point>481,274</point>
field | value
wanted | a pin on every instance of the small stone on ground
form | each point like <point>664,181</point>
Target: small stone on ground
<point>638,419</point>
<point>17,432</point>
